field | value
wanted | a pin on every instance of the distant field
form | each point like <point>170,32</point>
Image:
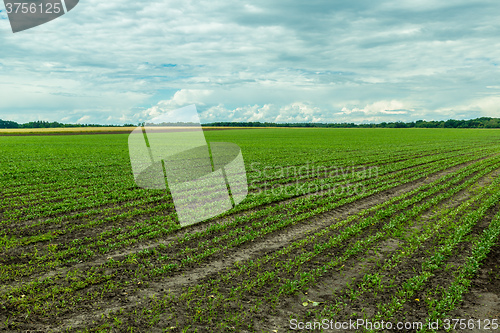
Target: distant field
<point>89,130</point>
<point>393,225</point>
<point>64,130</point>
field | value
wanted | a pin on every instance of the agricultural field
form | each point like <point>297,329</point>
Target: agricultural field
<point>82,130</point>
<point>380,225</point>
<point>63,130</point>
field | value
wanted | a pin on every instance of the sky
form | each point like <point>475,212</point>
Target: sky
<point>116,62</point>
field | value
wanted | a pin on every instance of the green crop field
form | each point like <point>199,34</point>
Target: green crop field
<point>392,225</point>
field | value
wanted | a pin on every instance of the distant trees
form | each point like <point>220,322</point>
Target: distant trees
<point>483,122</point>
<point>8,124</point>
<point>42,124</point>
<point>45,124</point>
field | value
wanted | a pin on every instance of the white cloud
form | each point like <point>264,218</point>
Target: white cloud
<point>299,112</point>
<point>253,9</point>
<point>486,107</point>
<point>83,119</point>
<point>294,112</point>
<point>180,99</point>
<point>379,108</point>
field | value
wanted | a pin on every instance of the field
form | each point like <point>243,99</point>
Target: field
<point>393,225</point>
<point>62,130</point>
<point>82,130</point>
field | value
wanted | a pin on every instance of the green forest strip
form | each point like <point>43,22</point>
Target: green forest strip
<point>483,122</point>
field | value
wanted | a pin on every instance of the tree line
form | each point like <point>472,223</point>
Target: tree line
<point>483,122</point>
<point>46,124</point>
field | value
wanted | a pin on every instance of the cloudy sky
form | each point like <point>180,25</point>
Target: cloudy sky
<point>115,62</point>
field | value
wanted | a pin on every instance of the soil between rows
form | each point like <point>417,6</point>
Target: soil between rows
<point>83,233</point>
<point>246,252</point>
<point>256,249</point>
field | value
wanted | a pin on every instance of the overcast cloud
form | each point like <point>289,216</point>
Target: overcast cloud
<point>288,61</point>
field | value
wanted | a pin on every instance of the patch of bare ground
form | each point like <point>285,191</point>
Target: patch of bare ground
<point>416,309</point>
<point>482,302</point>
<point>330,289</point>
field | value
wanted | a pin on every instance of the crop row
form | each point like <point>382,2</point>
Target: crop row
<point>304,279</point>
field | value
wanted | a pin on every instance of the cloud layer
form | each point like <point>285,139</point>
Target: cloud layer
<point>286,61</point>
